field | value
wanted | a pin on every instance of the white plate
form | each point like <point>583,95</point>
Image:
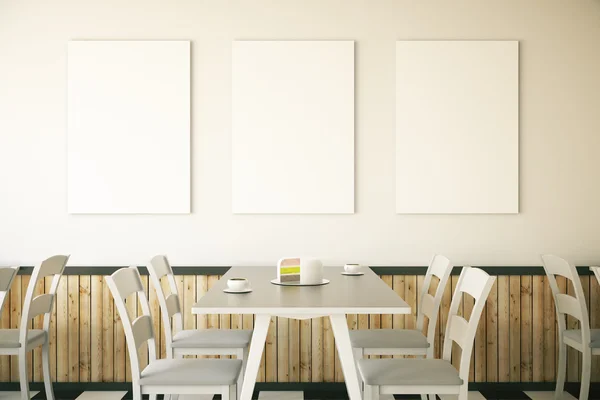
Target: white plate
<point>353,273</point>
<point>237,291</point>
<point>297,283</point>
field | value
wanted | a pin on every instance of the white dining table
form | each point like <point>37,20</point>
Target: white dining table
<point>365,294</point>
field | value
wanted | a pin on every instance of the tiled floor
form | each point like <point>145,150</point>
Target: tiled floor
<point>285,396</point>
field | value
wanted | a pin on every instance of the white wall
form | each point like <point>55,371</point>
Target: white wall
<point>560,133</point>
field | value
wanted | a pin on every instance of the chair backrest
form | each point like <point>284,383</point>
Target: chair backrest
<point>42,303</point>
<point>429,305</point>
<point>477,283</point>
<point>567,304</point>
<point>123,284</point>
<point>158,268</point>
<point>7,276</point>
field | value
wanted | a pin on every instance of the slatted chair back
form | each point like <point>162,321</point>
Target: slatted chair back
<point>41,304</point>
<point>567,304</point>
<point>429,305</point>
<point>477,283</point>
<point>159,268</point>
<point>7,276</point>
<point>122,284</point>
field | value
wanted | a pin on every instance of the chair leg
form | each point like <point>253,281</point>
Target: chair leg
<point>562,369</point>
<point>233,392</point>
<point>586,367</point>
<point>137,392</point>
<point>46,371</point>
<point>23,379</point>
<point>464,392</point>
<point>359,353</point>
<point>242,355</point>
<point>153,397</point>
<point>173,396</point>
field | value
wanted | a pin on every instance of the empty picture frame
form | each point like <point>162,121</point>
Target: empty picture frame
<point>457,127</point>
<point>293,127</point>
<point>128,127</point>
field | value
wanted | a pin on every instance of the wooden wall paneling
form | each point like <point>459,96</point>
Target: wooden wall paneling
<point>503,285</point>
<point>96,327</point>
<point>595,322</point>
<point>514,309</point>
<point>201,289</point>
<point>410,291</point>
<point>62,330</point>
<point>399,287</point>
<point>306,349</point>
<point>317,350</point>
<point>550,338</point>
<point>537,324</point>
<point>157,324</point>
<point>189,299</point>
<point>387,321</point>
<point>213,319</point>
<point>108,334</point>
<point>526,329</point>
<point>38,323</point>
<point>328,352</point>
<point>15,320</point>
<point>119,348</point>
<point>85,314</point>
<point>5,324</point>
<point>294,350</point>
<point>25,279</point>
<point>480,353</point>
<point>271,352</point>
<point>73,327</point>
<point>283,372</point>
<point>491,335</point>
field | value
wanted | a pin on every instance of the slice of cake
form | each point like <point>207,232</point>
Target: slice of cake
<point>288,270</point>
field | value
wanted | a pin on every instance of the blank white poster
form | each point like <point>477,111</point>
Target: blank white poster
<point>293,127</point>
<point>457,127</point>
<point>128,127</point>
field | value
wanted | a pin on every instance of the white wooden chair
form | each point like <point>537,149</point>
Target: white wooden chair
<point>434,376</point>
<point>583,339</point>
<point>385,342</point>
<point>166,376</point>
<point>193,341</point>
<point>18,342</point>
<point>7,275</point>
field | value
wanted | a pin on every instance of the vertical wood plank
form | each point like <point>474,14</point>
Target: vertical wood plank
<point>108,334</point>
<point>143,350</point>
<point>515,328</point>
<point>5,324</point>
<point>503,329</point>
<point>119,348</point>
<point>410,291</point>
<point>387,321</point>
<point>492,335</point>
<point>271,352</point>
<point>25,279</point>
<point>328,352</point>
<point>537,354</point>
<point>468,304</point>
<point>305,350</point>
<point>15,321</point>
<point>189,298</point>
<point>62,330</point>
<point>85,350</point>
<point>480,353</point>
<point>156,317</point>
<point>317,350</point>
<point>96,328</point>
<point>399,287</point>
<point>526,329</point>
<point>294,350</point>
<point>443,318</point>
<point>550,338</point>
<point>283,372</point>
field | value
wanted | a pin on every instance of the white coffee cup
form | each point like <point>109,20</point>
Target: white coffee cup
<point>238,284</point>
<point>352,268</point>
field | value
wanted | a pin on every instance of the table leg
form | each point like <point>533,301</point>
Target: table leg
<point>257,345</point>
<point>346,355</point>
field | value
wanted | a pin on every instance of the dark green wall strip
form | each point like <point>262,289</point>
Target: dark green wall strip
<point>496,271</point>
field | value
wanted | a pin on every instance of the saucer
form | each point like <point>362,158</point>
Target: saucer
<point>247,290</point>
<point>353,273</point>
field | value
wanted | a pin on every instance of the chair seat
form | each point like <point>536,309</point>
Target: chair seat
<point>191,371</point>
<point>575,335</point>
<point>388,339</point>
<point>408,371</point>
<point>9,338</point>
<point>212,338</point>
